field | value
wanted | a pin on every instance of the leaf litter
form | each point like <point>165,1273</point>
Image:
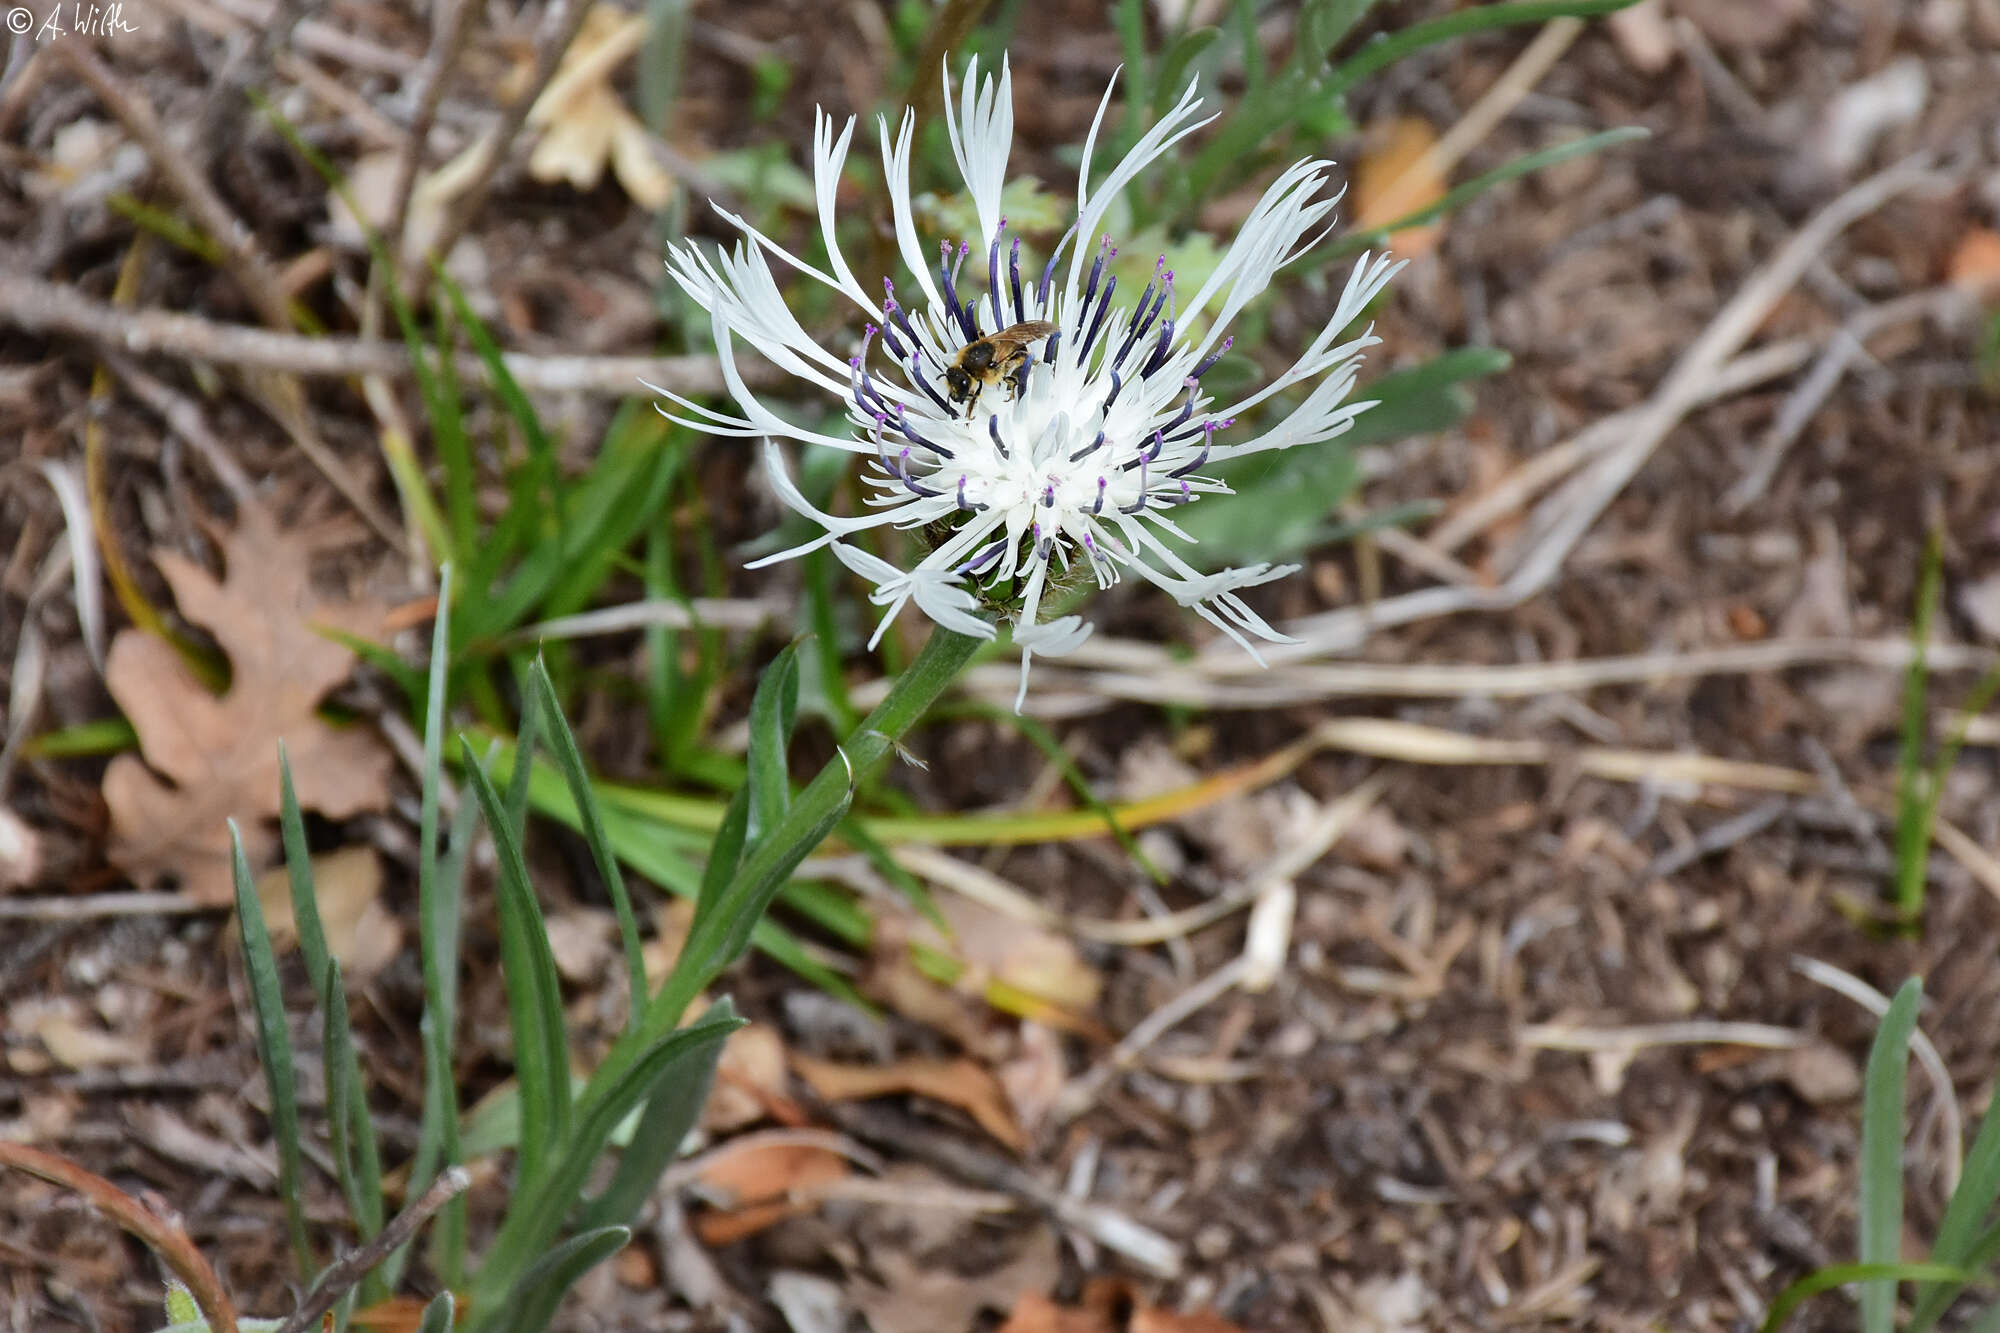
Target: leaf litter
<point>210,758</point>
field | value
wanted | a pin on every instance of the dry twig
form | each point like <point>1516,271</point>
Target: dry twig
<point>35,306</point>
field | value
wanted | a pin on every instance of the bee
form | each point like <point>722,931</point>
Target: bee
<point>993,357</point>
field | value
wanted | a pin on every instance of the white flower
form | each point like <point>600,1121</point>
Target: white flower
<point>1108,430</point>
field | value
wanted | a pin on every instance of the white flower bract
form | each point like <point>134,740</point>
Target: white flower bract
<point>1079,460</point>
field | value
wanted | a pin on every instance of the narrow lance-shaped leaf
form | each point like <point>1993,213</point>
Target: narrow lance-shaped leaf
<point>1880,1206</point>
<point>534,995</point>
<point>562,743</point>
<point>274,1047</point>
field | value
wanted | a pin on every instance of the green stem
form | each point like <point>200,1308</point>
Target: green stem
<point>724,933</point>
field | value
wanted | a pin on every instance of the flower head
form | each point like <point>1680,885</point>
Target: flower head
<point>1072,464</point>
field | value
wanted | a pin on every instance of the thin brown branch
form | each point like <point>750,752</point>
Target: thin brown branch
<point>343,1273</point>
<point>246,263</point>
<point>36,306</point>
<point>163,1235</point>
<point>559,29</point>
<point>454,27</point>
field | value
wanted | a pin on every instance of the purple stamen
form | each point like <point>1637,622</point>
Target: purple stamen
<point>1097,320</point>
<point>993,275</point>
<point>1139,503</point>
<point>1112,397</point>
<point>982,559</point>
<point>1088,449</point>
<point>993,429</point>
<point>1014,278</point>
<point>1049,497</point>
<point>1096,272</point>
<point>1208,363</point>
<point>1098,508</point>
<point>910,434</point>
<point>922,381</point>
<point>964,503</point>
<point>1049,272</point>
<point>903,475</point>
<point>1186,468</point>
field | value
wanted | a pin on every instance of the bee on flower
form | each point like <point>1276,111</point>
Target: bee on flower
<point>1035,428</point>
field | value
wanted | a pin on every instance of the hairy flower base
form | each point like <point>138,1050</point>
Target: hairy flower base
<point>1072,465</point>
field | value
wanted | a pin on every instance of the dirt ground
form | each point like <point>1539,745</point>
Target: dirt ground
<point>1486,1088</point>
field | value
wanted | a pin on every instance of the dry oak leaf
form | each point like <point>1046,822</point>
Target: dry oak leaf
<point>211,758</point>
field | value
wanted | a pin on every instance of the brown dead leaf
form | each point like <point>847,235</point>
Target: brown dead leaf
<point>215,758</point>
<point>1110,1305</point>
<point>750,1082</point>
<point>960,1083</point>
<point>585,125</point>
<point>1396,176</point>
<point>347,885</point>
<point>758,1182</point>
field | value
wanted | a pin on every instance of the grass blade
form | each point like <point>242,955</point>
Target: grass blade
<point>725,854</point>
<point>562,742</point>
<point>440,909</point>
<point>1880,1204</point>
<point>274,1047</point>
<point>524,743</point>
<point>1913,830</point>
<point>356,1159</point>
<point>1840,1275</point>
<point>534,995</point>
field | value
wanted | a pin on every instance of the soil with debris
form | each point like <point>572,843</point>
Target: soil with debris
<point>1548,1047</point>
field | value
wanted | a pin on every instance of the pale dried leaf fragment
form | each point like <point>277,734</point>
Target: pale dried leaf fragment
<point>1399,173</point>
<point>209,758</point>
<point>586,125</point>
<point>362,934</point>
<point>961,1083</point>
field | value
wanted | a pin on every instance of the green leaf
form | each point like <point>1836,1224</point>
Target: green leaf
<point>773,710</point>
<point>1965,1213</point>
<point>298,870</point>
<point>534,994</point>
<point>725,854</point>
<point>525,740</point>
<point>537,1214</point>
<point>274,1047</point>
<point>1388,48</point>
<point>350,1128</point>
<point>669,1117</point>
<point>1879,1207</point>
<point>1884,1276</point>
<point>1174,67</point>
<point>440,909</point>
<point>569,759</point>
<point>533,1300</point>
<point>439,1314</point>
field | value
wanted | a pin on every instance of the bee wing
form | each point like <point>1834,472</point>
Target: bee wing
<point>1018,336</point>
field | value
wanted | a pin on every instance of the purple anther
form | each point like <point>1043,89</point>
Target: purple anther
<point>993,274</point>
<point>982,559</point>
<point>964,503</point>
<point>1049,272</point>
<point>993,430</point>
<point>922,381</point>
<point>1208,362</point>
<point>903,475</point>
<point>1049,497</point>
<point>1098,508</point>
<point>1088,449</point>
<point>1186,468</point>
<point>1097,319</point>
<point>1043,547</point>
<point>1117,384</point>
<point>1014,280</point>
